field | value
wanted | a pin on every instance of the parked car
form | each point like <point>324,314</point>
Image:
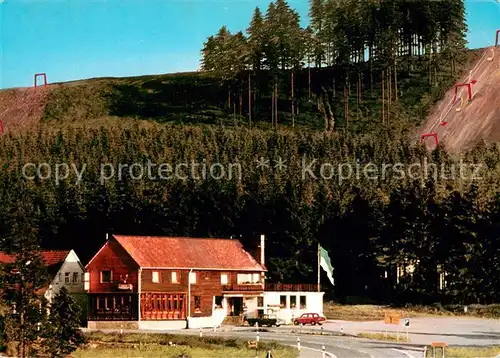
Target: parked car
<point>309,318</point>
<point>265,320</point>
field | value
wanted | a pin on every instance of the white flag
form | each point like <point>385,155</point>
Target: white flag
<point>326,264</point>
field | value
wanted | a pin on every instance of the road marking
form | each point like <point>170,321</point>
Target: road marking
<point>365,352</point>
<point>405,353</point>
<point>328,354</point>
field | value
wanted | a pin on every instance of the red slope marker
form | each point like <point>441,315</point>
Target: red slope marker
<point>425,135</point>
<point>44,79</point>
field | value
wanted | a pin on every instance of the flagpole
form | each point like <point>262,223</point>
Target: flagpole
<point>319,255</point>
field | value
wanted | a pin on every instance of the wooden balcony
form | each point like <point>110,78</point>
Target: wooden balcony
<point>253,287</point>
<point>292,287</point>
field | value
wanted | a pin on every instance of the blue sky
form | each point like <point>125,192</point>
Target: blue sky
<point>75,39</point>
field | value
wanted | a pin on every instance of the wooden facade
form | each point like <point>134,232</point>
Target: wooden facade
<point>163,306</point>
<point>112,307</point>
<point>124,271</point>
<point>205,291</point>
<point>119,289</point>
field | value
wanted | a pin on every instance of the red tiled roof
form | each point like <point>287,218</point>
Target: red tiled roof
<point>184,252</point>
<point>6,258</point>
<point>53,257</point>
<point>50,257</point>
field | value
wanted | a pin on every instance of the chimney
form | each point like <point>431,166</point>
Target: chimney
<point>262,250</point>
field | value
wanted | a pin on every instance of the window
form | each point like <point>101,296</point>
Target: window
<point>66,277</point>
<point>75,277</point>
<point>223,278</point>
<point>192,277</point>
<point>260,301</point>
<point>60,277</point>
<point>282,301</point>
<point>248,278</point>
<point>244,278</point>
<point>293,301</point>
<point>302,302</point>
<point>106,276</point>
<point>175,279</point>
<point>156,277</point>
<point>218,301</point>
<point>197,304</point>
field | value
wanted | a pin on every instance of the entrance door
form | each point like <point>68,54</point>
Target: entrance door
<point>235,306</point>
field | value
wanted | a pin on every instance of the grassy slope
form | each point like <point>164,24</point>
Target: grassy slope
<point>199,98</point>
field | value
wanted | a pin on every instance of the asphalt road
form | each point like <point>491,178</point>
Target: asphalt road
<point>466,331</point>
<point>422,331</point>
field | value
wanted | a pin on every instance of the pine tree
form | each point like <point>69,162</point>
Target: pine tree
<point>22,280</point>
<point>64,335</point>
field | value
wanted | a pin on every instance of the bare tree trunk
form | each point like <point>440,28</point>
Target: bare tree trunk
<point>322,109</point>
<point>309,78</point>
<point>249,98</point>
<point>325,108</point>
<point>293,109</point>
<point>396,80</point>
<point>361,81</point>
<point>389,89</point>
<point>348,84</point>
<point>357,98</point>
<point>430,65</point>
<point>371,72</point>
<point>276,102</point>
<point>241,97</point>
<point>383,97</point>
<point>272,106</point>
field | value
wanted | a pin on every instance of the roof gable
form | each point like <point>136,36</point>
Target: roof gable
<point>185,252</point>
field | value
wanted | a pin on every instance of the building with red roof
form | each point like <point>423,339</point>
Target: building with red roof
<point>154,282</point>
<point>164,282</point>
<point>64,269</point>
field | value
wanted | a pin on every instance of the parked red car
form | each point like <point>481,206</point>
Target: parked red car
<point>309,318</point>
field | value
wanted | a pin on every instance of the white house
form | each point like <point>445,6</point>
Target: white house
<point>289,301</point>
<point>64,269</point>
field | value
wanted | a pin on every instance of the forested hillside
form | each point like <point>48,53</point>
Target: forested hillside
<point>343,92</point>
<point>369,224</point>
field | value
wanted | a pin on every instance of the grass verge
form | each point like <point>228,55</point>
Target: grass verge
<point>101,344</point>
<point>385,337</point>
<point>466,352</point>
<point>376,313</point>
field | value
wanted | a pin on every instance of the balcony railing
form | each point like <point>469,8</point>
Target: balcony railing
<point>243,287</point>
<point>292,287</point>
